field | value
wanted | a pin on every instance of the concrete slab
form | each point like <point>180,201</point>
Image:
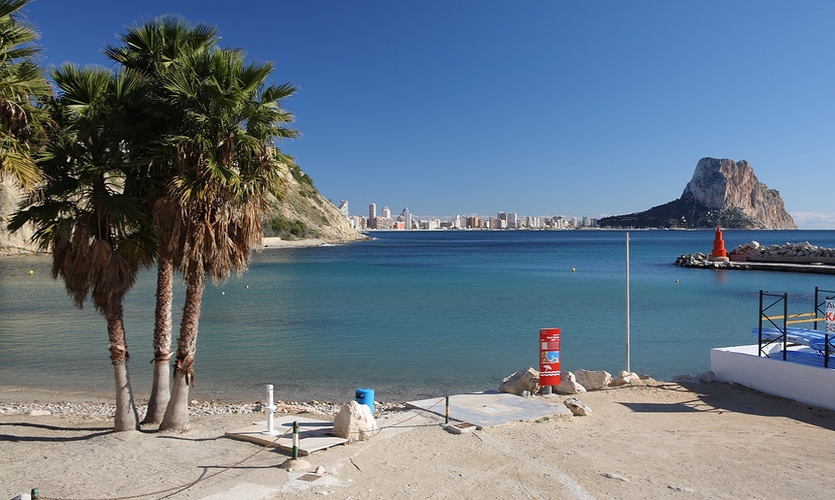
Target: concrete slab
<point>314,435</point>
<point>489,408</point>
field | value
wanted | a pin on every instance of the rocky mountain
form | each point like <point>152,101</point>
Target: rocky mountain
<point>302,212</point>
<point>12,243</point>
<point>721,192</point>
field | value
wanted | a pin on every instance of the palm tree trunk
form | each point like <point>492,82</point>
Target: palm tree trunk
<point>176,414</point>
<point>126,418</point>
<point>160,388</point>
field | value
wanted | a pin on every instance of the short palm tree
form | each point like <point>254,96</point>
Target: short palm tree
<point>98,234</point>
<point>154,48</point>
<point>22,83</point>
<point>226,163</point>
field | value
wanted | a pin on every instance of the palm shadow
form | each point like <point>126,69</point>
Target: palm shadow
<point>90,432</point>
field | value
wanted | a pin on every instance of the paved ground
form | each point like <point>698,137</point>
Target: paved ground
<point>485,409</point>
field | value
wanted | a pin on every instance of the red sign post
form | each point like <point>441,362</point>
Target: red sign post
<point>549,356</point>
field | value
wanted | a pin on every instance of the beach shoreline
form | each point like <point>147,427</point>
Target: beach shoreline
<point>267,242</point>
<point>656,440</point>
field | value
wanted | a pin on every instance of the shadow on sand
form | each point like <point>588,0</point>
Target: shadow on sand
<point>88,432</point>
<point>719,397</point>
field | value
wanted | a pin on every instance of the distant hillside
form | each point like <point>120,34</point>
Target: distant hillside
<point>302,213</point>
<point>721,193</point>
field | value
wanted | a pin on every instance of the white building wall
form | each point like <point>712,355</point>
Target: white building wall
<point>807,384</point>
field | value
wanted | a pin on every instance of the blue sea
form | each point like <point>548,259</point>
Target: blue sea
<point>413,314</point>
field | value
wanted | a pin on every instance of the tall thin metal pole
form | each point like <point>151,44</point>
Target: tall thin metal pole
<point>628,363</point>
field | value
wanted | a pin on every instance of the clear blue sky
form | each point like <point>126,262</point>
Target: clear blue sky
<point>535,107</point>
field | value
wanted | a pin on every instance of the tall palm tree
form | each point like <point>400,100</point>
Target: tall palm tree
<point>155,48</point>
<point>226,162</point>
<point>98,234</point>
<point>22,83</point>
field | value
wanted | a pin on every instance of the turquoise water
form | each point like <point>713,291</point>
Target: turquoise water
<point>413,314</point>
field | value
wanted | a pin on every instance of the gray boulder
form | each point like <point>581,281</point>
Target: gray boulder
<point>568,384</point>
<point>520,382</point>
<point>593,380</point>
<point>354,422</point>
<point>625,378</point>
<point>577,407</point>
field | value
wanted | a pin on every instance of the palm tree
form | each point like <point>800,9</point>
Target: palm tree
<point>21,83</point>
<point>154,48</point>
<point>98,234</point>
<point>226,162</point>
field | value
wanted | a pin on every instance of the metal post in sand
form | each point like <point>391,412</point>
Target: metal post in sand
<point>295,440</point>
<point>447,409</point>
<point>296,463</point>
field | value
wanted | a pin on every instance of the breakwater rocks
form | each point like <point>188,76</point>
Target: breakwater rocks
<point>526,382</point>
<point>700,259</point>
<point>788,252</point>
<point>793,257</point>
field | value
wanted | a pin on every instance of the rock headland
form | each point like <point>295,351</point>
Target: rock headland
<point>721,193</point>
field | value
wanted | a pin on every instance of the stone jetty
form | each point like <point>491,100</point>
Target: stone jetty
<point>792,257</point>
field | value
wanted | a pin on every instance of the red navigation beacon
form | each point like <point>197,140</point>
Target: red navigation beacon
<point>719,244</point>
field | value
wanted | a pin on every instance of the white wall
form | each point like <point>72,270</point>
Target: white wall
<point>807,384</point>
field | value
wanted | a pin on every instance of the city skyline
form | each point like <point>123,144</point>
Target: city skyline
<point>407,221</point>
<point>598,108</point>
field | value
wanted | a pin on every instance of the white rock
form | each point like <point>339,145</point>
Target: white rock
<point>568,384</point>
<point>354,422</point>
<point>609,475</point>
<point>577,407</point>
<point>593,380</point>
<point>625,378</point>
<point>520,382</point>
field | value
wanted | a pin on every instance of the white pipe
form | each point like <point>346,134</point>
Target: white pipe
<point>270,417</point>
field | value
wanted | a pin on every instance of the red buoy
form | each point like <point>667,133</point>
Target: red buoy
<point>719,244</point>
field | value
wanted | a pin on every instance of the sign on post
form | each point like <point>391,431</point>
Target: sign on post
<point>549,356</point>
<point>830,316</point>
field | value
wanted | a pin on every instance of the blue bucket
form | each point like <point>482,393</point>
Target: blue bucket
<point>366,397</point>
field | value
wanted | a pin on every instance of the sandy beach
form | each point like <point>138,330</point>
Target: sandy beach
<point>660,440</point>
<point>275,242</point>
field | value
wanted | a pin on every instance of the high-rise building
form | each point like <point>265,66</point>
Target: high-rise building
<point>407,218</point>
<point>343,207</point>
<point>386,212</point>
<point>372,215</point>
<point>511,220</point>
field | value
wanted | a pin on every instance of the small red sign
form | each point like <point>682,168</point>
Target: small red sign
<point>549,356</point>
